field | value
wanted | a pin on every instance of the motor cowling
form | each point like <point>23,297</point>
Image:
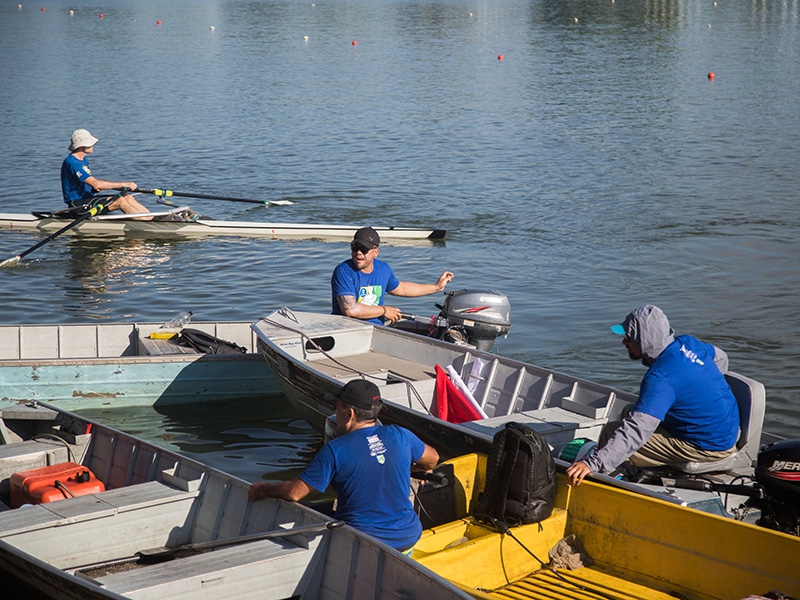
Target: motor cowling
<point>480,315</point>
<point>778,471</point>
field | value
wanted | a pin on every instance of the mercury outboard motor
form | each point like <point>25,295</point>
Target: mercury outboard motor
<point>778,472</point>
<point>473,317</point>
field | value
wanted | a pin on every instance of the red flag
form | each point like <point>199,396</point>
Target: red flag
<point>451,405</point>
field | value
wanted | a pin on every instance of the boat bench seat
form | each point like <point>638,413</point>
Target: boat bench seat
<point>558,425</point>
<point>373,363</point>
<point>238,332</point>
<point>104,526</point>
<point>150,347</point>
<point>400,393</point>
<point>266,568</point>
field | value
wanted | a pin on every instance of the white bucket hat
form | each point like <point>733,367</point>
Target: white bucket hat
<point>81,138</point>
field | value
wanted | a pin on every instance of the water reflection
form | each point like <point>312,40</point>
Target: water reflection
<point>596,168</point>
<point>250,438</point>
<point>96,270</point>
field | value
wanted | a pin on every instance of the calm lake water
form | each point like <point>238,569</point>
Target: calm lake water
<point>596,167</point>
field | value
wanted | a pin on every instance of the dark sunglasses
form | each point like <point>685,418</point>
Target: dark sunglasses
<point>355,247</point>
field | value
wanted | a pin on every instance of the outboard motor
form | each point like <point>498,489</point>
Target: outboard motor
<point>471,317</point>
<point>478,317</point>
<point>778,472</point>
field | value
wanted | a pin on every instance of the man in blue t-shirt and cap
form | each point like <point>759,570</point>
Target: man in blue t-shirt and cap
<point>369,467</point>
<point>359,285</point>
<point>686,411</point>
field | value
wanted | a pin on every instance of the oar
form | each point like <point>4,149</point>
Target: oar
<point>87,215</point>
<point>168,193</point>
<point>164,553</point>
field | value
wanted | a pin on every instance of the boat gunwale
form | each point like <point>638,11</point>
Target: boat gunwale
<point>210,480</point>
<point>663,494</point>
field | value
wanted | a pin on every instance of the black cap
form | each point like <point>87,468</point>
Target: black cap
<point>367,236</point>
<point>361,394</point>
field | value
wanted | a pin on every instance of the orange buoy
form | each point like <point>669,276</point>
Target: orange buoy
<point>102,16</point>
<point>158,22</point>
<point>355,43</point>
<point>499,57</point>
<point>711,76</point>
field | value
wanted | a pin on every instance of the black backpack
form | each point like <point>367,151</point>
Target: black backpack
<point>520,478</point>
<point>207,344</point>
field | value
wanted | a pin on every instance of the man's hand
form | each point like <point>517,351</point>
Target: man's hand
<point>258,491</point>
<point>445,278</point>
<point>577,472</point>
<point>392,314</point>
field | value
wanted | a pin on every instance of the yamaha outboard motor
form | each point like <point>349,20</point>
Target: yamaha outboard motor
<point>479,316</point>
<point>778,472</point>
<point>473,317</point>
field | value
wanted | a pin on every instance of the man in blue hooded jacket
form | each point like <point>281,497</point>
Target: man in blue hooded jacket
<point>686,411</point>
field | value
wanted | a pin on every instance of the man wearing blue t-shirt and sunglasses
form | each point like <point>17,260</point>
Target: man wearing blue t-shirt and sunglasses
<point>359,285</point>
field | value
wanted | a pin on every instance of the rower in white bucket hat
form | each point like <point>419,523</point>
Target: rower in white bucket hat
<point>79,186</point>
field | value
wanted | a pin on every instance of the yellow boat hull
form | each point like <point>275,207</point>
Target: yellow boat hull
<point>641,547</point>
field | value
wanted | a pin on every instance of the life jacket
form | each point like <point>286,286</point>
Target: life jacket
<point>520,478</point>
<point>207,344</point>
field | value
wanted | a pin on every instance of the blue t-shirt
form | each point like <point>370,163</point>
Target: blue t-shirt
<point>73,174</point>
<point>685,390</point>
<point>367,288</point>
<point>369,469</point>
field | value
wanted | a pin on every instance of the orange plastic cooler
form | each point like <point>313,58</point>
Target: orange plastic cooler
<point>37,486</point>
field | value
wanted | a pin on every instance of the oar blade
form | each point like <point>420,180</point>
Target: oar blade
<point>10,262</point>
<point>96,209</point>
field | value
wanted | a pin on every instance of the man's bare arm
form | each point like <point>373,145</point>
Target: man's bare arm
<point>429,459</point>
<point>352,308</point>
<point>293,490</point>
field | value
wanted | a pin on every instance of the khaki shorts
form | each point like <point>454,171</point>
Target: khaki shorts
<point>664,449</point>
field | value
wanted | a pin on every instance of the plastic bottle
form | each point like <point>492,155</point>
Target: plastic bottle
<point>179,320</point>
<point>170,328</point>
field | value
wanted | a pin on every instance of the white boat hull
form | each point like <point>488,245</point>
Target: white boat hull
<point>118,225</point>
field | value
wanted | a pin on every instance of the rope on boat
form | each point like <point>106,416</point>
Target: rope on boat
<point>60,440</point>
<point>286,312</point>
